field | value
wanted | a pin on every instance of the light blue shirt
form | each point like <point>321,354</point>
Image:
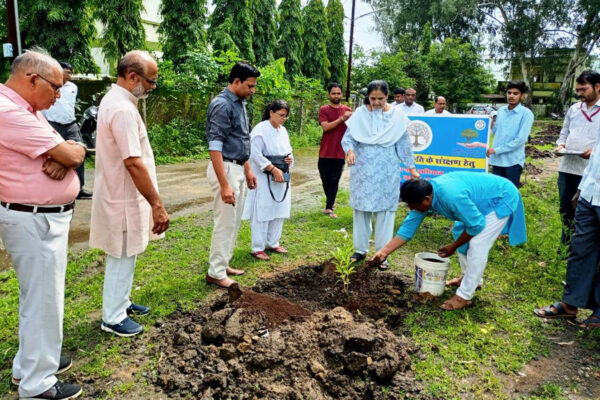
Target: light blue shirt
<point>63,110</point>
<point>511,131</point>
<point>590,183</point>
<point>467,197</point>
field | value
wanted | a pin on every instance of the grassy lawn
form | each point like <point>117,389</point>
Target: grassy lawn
<point>469,351</point>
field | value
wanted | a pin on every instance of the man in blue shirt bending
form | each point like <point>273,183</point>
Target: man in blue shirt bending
<point>511,130</point>
<point>482,205</point>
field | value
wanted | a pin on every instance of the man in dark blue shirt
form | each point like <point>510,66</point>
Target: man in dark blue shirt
<point>229,173</point>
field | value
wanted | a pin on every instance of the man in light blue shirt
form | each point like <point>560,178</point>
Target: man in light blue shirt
<point>511,130</point>
<point>583,279</point>
<point>483,206</point>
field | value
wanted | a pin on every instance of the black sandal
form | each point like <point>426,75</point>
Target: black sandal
<point>560,313</point>
<point>356,257</point>
<point>384,266</point>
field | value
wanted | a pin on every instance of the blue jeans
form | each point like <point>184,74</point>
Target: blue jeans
<point>512,173</point>
<point>583,281</point>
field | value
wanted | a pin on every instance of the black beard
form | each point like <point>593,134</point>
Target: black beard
<point>335,101</point>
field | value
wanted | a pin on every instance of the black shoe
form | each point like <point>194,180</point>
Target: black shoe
<point>64,365</point>
<point>137,309</point>
<point>84,195</point>
<point>61,390</point>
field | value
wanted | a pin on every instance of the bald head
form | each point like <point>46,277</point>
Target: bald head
<point>37,78</point>
<point>137,72</point>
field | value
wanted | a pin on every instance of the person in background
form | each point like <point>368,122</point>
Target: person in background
<point>375,143</point>
<point>229,172</point>
<point>38,186</point>
<point>439,107</point>
<point>482,205</point>
<point>332,117</point>
<point>269,204</point>
<point>62,118</point>
<point>127,210</point>
<point>398,96</point>
<point>410,107</point>
<point>511,130</point>
<point>579,133</point>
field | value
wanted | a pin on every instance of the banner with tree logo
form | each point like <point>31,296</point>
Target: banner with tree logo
<point>443,144</point>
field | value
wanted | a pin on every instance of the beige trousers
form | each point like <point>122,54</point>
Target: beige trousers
<point>227,218</point>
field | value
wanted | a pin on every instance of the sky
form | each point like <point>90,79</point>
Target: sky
<point>365,34</point>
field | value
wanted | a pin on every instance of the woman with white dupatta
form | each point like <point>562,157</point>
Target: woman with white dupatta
<point>375,143</point>
<point>269,204</point>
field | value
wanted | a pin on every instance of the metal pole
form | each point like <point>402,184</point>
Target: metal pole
<point>350,52</point>
<point>14,34</point>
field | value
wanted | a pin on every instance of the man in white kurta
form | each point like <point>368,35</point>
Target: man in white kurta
<point>269,204</point>
<point>126,203</point>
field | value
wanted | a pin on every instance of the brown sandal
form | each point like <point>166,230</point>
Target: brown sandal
<point>456,303</point>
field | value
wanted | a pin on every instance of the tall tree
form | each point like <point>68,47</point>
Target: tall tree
<point>63,27</point>
<point>336,51</point>
<point>123,29</point>
<point>220,37</point>
<point>584,29</point>
<point>4,62</point>
<point>457,71</point>
<point>290,34</point>
<point>265,29</point>
<point>182,27</point>
<point>241,24</point>
<point>315,62</point>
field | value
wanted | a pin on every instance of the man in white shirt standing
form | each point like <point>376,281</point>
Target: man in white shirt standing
<point>439,107</point>
<point>398,96</point>
<point>409,106</point>
<point>62,118</point>
<point>578,134</point>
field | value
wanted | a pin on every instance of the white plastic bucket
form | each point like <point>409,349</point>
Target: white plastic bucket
<point>430,276</point>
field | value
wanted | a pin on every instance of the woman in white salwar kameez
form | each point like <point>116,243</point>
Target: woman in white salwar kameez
<point>269,204</point>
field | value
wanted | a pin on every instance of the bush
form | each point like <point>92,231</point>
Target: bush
<point>310,136</point>
<point>178,139</point>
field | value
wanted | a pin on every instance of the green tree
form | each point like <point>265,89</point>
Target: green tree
<point>63,27</point>
<point>290,34</point>
<point>336,51</point>
<point>265,29</point>
<point>220,37</point>
<point>315,62</point>
<point>374,65</point>
<point>123,29</point>
<point>4,64</point>
<point>182,28</point>
<point>240,29</point>
<point>458,72</point>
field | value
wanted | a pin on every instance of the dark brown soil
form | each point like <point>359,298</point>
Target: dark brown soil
<point>547,136</point>
<point>297,335</point>
<point>534,152</point>
<point>532,169</point>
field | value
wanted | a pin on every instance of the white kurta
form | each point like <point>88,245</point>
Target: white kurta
<point>260,206</point>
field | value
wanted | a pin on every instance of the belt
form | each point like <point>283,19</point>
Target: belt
<point>37,209</point>
<point>65,125</point>
<point>237,162</point>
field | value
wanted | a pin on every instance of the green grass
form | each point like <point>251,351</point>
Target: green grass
<point>466,351</point>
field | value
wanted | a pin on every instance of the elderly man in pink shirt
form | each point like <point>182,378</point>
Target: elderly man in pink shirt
<point>38,186</point>
<point>126,208</point>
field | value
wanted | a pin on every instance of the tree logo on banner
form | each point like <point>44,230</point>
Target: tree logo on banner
<point>420,134</point>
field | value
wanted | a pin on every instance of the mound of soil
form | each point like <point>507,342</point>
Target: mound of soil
<point>534,152</point>
<point>297,335</point>
<point>546,136</point>
<point>532,169</point>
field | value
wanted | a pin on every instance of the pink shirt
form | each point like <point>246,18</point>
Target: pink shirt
<point>25,136</point>
<point>119,211</point>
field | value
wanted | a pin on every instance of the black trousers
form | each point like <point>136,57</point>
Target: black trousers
<point>330,170</point>
<point>567,187</point>
<point>71,131</point>
<point>512,173</point>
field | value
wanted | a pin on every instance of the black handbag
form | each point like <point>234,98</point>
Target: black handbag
<point>279,163</point>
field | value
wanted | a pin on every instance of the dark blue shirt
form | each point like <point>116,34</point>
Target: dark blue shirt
<point>227,127</point>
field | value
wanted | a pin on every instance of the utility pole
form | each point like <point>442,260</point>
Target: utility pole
<point>14,34</point>
<point>350,52</point>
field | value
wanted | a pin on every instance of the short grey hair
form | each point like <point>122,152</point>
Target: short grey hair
<point>134,61</point>
<point>35,60</point>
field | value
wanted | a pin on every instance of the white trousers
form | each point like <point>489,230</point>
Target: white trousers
<point>118,279</point>
<point>37,245</point>
<point>227,218</point>
<point>362,229</point>
<point>266,233</point>
<point>474,262</point>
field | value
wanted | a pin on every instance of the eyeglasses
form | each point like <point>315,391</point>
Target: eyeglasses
<point>281,115</point>
<point>54,86</point>
<point>150,81</point>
